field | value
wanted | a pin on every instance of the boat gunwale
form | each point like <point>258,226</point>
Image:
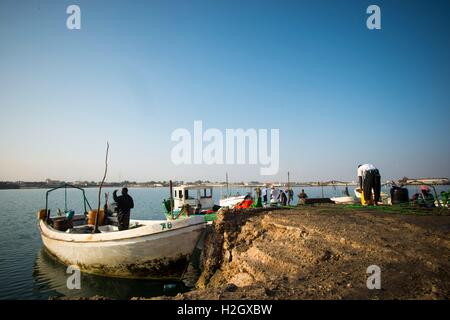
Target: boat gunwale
<point>51,229</point>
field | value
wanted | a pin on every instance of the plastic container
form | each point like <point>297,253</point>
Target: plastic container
<point>399,195</point>
<point>361,193</point>
<point>92,214</point>
<point>363,200</point>
<point>42,214</point>
<point>70,214</point>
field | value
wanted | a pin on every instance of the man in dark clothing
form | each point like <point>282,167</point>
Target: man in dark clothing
<point>290,196</point>
<point>283,198</point>
<point>124,205</point>
<point>370,179</point>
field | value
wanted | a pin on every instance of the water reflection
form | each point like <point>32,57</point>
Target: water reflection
<point>50,279</point>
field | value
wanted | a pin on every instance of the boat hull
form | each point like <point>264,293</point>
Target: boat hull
<point>150,251</point>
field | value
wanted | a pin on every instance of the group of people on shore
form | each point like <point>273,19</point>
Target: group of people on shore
<point>275,196</point>
<point>369,182</point>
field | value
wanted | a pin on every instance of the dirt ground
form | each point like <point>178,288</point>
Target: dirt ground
<point>323,252</point>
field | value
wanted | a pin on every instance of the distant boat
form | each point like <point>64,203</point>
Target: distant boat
<point>195,196</point>
<point>148,249</point>
<point>191,200</point>
<point>343,200</point>
<point>230,202</point>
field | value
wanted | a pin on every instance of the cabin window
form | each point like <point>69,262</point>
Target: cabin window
<point>206,193</point>
<point>186,194</point>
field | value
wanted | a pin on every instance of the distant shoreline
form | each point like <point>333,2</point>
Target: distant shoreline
<point>32,185</point>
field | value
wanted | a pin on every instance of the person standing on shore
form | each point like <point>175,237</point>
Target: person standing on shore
<point>274,195</point>
<point>290,195</point>
<point>369,179</point>
<point>258,203</point>
<point>424,198</point>
<point>124,205</point>
<point>283,198</point>
<point>264,194</point>
<point>302,196</point>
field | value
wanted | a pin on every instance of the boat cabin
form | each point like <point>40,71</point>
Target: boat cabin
<point>193,196</point>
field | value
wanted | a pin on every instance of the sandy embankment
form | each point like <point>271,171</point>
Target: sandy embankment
<point>323,253</point>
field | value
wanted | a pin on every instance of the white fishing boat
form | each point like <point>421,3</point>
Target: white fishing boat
<point>148,249</point>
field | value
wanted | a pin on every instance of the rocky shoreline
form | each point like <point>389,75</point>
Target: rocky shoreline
<point>323,252</point>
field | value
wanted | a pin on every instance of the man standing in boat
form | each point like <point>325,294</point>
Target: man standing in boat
<point>369,179</point>
<point>124,204</point>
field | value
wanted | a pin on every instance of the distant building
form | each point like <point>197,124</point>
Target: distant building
<point>81,183</point>
<point>53,182</point>
<point>435,180</point>
<point>425,181</point>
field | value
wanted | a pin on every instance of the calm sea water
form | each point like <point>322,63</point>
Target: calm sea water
<point>28,272</point>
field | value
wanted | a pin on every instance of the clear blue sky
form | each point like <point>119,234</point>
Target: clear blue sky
<point>339,93</point>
